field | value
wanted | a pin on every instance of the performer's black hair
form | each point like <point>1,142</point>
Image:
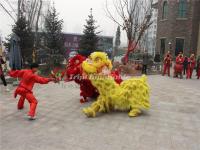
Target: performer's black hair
<point>34,65</point>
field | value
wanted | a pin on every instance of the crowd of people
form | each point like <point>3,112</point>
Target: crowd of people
<point>183,65</point>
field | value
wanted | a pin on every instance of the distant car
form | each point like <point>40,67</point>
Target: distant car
<point>72,54</point>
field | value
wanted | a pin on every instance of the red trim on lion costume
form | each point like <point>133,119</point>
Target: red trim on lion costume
<point>116,75</point>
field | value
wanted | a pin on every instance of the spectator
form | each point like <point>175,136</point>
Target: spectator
<point>2,74</point>
<point>185,64</point>
<point>191,66</point>
<point>167,63</point>
<point>144,62</point>
<point>157,58</point>
<point>178,67</point>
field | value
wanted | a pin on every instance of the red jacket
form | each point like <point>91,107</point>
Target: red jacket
<point>167,60</point>
<point>28,79</point>
<point>179,60</point>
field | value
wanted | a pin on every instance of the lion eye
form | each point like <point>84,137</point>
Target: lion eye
<point>98,59</point>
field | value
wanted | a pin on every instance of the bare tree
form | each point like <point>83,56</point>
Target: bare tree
<point>135,19</point>
<point>37,21</point>
<point>32,11</point>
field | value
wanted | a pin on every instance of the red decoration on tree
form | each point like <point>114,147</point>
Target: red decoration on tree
<point>132,45</point>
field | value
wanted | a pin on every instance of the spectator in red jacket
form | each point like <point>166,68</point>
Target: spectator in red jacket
<point>178,68</point>
<point>191,66</point>
<point>28,79</point>
<point>167,63</point>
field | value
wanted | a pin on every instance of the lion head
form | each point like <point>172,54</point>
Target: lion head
<point>97,63</point>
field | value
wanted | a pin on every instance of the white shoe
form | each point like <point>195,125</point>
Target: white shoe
<point>31,118</point>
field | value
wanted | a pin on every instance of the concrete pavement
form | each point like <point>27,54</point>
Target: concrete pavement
<point>172,123</point>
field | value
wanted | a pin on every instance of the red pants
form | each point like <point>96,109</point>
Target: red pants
<point>189,73</point>
<point>166,68</point>
<point>31,99</point>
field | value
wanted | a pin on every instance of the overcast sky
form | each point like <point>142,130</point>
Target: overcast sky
<point>74,13</point>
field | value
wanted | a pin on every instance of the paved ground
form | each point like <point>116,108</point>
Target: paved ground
<point>172,123</point>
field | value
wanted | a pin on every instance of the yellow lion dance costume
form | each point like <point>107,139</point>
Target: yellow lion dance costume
<point>131,95</point>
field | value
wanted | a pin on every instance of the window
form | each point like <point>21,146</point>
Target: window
<point>182,9</point>
<point>179,46</point>
<point>162,46</point>
<point>75,38</point>
<point>66,44</point>
<point>76,45</point>
<point>165,10</point>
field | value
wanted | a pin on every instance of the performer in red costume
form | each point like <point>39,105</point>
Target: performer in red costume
<point>178,68</point>
<point>167,63</point>
<point>74,73</point>
<point>28,79</point>
<point>191,66</point>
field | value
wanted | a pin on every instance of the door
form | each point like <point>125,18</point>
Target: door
<point>179,46</point>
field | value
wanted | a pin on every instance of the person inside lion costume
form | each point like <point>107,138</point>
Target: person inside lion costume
<point>130,95</point>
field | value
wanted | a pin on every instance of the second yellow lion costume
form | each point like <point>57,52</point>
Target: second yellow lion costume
<point>131,95</point>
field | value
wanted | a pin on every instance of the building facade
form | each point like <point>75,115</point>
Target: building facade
<point>151,34</point>
<point>148,40</point>
<point>72,42</point>
<point>178,26</point>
